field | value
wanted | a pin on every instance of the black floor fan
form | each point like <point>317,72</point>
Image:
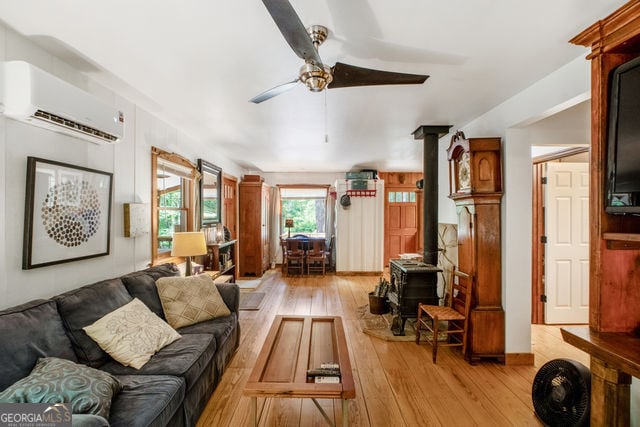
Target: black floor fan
<point>561,393</point>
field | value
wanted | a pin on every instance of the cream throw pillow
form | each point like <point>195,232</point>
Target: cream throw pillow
<point>189,300</point>
<point>131,334</point>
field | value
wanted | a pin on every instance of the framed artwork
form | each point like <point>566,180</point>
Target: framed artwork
<point>210,194</point>
<point>67,213</point>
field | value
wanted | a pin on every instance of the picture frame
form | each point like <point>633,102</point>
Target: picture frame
<point>67,213</point>
<point>210,194</point>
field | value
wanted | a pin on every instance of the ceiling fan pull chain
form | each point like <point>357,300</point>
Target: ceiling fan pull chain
<point>326,120</point>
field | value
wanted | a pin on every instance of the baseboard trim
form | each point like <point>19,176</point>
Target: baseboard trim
<point>358,273</point>
<point>519,359</point>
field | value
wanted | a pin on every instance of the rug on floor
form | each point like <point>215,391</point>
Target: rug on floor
<point>251,300</point>
<point>245,284</point>
<point>379,325</point>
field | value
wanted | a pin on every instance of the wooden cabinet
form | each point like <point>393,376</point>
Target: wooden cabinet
<point>220,257</point>
<point>254,227</point>
<point>614,270</point>
<point>477,192</point>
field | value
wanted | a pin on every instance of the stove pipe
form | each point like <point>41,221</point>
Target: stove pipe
<point>430,136</point>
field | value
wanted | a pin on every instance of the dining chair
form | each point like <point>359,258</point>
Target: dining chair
<point>316,256</point>
<point>453,316</point>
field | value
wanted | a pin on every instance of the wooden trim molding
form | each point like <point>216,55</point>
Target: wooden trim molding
<point>359,273</point>
<point>303,185</point>
<point>521,359</point>
<point>572,151</point>
<point>610,34</point>
<point>191,200</point>
<point>537,247</point>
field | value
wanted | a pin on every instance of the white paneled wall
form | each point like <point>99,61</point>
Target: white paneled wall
<point>360,231</point>
<point>129,161</point>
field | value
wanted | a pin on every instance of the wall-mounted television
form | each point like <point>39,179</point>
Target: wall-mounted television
<point>623,157</point>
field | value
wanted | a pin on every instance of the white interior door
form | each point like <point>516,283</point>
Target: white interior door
<point>567,248</point>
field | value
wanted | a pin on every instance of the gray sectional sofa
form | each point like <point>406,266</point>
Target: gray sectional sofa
<point>171,389</point>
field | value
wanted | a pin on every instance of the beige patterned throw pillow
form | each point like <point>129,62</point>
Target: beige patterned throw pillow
<point>189,300</point>
<point>131,334</point>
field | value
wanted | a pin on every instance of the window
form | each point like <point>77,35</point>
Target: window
<point>306,206</point>
<point>402,196</point>
<point>173,201</point>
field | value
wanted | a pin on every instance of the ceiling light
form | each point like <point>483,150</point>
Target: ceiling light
<point>314,77</point>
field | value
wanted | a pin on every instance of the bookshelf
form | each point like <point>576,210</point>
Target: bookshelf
<point>220,258</point>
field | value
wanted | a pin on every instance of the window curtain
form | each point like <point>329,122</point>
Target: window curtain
<point>275,252</point>
<point>330,223</point>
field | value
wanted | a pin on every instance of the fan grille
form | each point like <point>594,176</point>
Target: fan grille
<point>561,393</point>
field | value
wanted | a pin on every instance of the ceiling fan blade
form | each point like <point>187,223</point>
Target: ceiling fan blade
<point>275,91</point>
<point>345,75</point>
<point>292,29</point>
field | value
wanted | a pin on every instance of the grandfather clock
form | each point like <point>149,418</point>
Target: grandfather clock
<point>475,175</point>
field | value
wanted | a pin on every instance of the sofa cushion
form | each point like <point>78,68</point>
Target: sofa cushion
<point>230,293</point>
<point>83,306</point>
<point>186,358</point>
<point>221,328</point>
<point>142,285</point>
<point>189,300</point>
<point>147,400</point>
<point>54,380</point>
<point>131,334</point>
<point>88,420</point>
<point>28,332</point>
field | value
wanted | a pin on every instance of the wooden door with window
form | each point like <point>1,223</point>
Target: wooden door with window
<point>229,210</point>
<point>403,223</point>
<point>230,201</point>
<point>402,214</point>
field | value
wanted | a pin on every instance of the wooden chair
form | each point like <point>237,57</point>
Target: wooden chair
<point>455,314</point>
<point>329,254</point>
<point>316,256</point>
<point>295,256</point>
<point>283,245</point>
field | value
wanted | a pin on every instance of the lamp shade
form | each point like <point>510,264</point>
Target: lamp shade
<point>288,222</point>
<point>188,244</point>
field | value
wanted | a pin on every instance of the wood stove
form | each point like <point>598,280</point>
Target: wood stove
<point>412,282</point>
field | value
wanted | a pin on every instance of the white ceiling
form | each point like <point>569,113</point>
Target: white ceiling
<point>196,63</point>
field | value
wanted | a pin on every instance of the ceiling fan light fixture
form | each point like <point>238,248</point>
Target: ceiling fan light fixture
<point>314,77</point>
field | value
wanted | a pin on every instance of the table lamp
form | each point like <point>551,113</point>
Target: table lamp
<point>188,244</point>
<point>288,223</point>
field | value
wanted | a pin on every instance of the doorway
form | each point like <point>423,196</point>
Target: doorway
<point>402,214</point>
<point>560,238</point>
<point>229,210</point>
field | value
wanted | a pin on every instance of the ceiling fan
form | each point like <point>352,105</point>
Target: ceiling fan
<point>314,74</point>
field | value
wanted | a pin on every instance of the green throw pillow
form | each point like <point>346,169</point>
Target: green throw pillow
<point>54,380</point>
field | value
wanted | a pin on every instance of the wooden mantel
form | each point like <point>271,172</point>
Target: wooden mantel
<point>614,267</point>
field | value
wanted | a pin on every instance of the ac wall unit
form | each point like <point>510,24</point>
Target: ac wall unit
<point>32,95</point>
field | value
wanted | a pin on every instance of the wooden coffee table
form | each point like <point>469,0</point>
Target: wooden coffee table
<point>294,345</point>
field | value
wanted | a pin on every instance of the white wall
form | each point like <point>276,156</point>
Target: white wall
<point>130,161</point>
<point>313,178</point>
<point>360,231</point>
<point>558,91</point>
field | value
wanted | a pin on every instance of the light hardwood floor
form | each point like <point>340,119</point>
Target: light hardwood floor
<point>396,382</point>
